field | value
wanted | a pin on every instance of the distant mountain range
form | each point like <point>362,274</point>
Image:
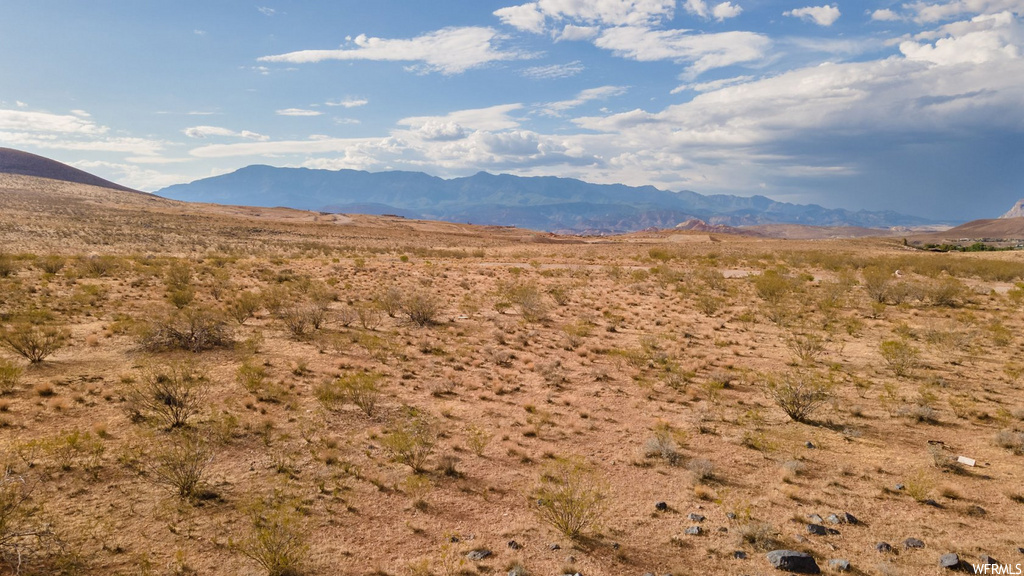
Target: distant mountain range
<point>540,203</point>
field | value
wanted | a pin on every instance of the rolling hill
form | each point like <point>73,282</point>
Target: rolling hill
<point>26,164</point>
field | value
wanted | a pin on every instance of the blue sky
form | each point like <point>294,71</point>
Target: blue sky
<point>912,106</point>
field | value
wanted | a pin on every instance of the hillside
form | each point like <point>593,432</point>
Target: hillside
<point>542,203</point>
<point>26,164</point>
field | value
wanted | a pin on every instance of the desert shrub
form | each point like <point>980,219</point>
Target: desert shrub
<point>390,301</point>
<point>421,307</point>
<point>276,539</point>
<point>947,291</point>
<point>806,347</point>
<point>478,439</point>
<point>369,316</point>
<point>760,536</point>
<point>191,329</point>
<point>526,298</point>
<point>171,395</point>
<point>274,299</point>
<point>772,286</point>
<point>99,266</point>
<point>27,541</point>
<point>412,440</point>
<point>799,394</point>
<point>180,464</point>
<point>877,282</point>
<point>7,265</point>
<point>708,303</point>
<point>10,375</point>
<point>569,496</point>
<point>899,355</point>
<point>244,306</point>
<point>560,294</point>
<point>33,341</point>
<point>663,444</point>
<point>51,264</point>
<point>359,388</point>
<point>1011,440</point>
<point>702,469</point>
<point>574,333</point>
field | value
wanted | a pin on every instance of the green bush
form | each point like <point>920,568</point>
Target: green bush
<point>276,540</point>
<point>191,329</point>
<point>899,355</point>
<point>359,388</point>
<point>172,395</point>
<point>10,375</point>
<point>412,441</point>
<point>34,342</point>
<point>569,496</point>
<point>799,394</point>
<point>181,464</point>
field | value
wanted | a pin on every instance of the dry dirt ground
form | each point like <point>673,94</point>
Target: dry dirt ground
<point>641,364</point>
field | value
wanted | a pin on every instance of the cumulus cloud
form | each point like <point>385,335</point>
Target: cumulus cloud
<point>820,15</point>
<point>885,15</point>
<point>726,10</point>
<point>599,93</point>
<point>298,112</point>
<point>702,52</point>
<point>29,121</point>
<point>448,51</point>
<point>982,39</point>
<point>266,11</point>
<point>573,32</point>
<point>441,131</point>
<point>208,131</point>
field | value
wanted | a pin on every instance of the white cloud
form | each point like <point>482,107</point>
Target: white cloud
<point>442,131</point>
<point>28,121</point>
<point>697,8</point>
<point>448,51</point>
<point>493,118</point>
<point>982,39</point>
<point>298,112</point>
<point>703,52</point>
<point>266,11</point>
<point>131,175</point>
<point>713,85</point>
<point>820,15</point>
<point>885,15</point>
<point>939,11</point>
<point>725,10</point>
<point>573,32</point>
<point>349,102</point>
<point>533,16</point>
<point>554,71</point>
<point>600,93</point>
<point>208,131</point>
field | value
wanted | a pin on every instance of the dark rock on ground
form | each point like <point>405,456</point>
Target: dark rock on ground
<point>793,561</point>
<point>839,564</point>
<point>883,547</point>
<point>912,543</point>
<point>479,554</point>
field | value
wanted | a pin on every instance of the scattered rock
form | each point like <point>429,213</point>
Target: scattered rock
<point>809,444</point>
<point>833,519</point>
<point>912,543</point>
<point>815,518</point>
<point>739,555</point>
<point>723,529</point>
<point>900,487</point>
<point>479,554</point>
<point>514,545</point>
<point>816,529</point>
<point>985,559</point>
<point>839,564</point>
<point>693,531</point>
<point>696,517</point>
<point>883,547</point>
<point>975,510</point>
<point>730,515</point>
<point>793,561</point>
<point>930,502</point>
<point>517,571</point>
<point>950,561</point>
<point>661,506</point>
<point>554,547</point>
<point>849,518</point>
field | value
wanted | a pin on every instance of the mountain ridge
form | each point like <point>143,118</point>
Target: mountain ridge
<point>27,164</point>
<point>547,203</point>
